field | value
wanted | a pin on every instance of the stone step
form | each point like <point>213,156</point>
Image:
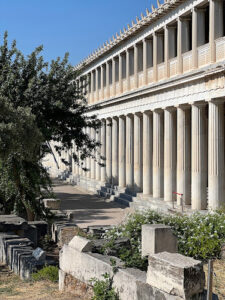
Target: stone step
<point>126,196</point>
<point>122,201</point>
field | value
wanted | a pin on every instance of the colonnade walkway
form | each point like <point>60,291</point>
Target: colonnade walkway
<point>86,208</point>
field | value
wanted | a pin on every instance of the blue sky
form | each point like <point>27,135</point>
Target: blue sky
<point>76,26</point>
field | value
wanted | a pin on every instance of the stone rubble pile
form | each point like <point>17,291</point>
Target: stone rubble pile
<point>18,240</point>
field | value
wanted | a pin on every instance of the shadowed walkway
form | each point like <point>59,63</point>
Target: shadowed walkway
<point>87,209</point>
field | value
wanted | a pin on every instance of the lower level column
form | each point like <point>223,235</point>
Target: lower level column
<point>93,156</point>
<point>115,151</point>
<point>109,150</point>
<point>199,157</point>
<point>216,191</point>
<point>122,152</point>
<point>184,154</point>
<point>98,155</point>
<point>138,178</point>
<point>129,151</point>
<point>170,151</point>
<point>88,159</point>
<point>103,151</point>
<point>147,153</point>
<point>158,159</point>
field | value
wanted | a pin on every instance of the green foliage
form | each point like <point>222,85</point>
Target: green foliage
<point>39,103</point>
<point>199,236</point>
<point>103,289</point>
<point>47,273</point>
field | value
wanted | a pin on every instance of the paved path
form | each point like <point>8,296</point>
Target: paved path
<point>88,209</point>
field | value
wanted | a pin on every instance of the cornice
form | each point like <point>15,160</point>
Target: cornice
<point>130,31</point>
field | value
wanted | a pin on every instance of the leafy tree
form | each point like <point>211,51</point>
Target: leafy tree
<point>40,103</point>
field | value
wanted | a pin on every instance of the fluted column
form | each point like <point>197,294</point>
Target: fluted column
<point>158,159</point>
<point>93,154</point>
<point>216,177</point>
<point>128,69</point>
<point>199,159</point>
<point>138,176</point>
<point>115,151</point>
<point>98,155</point>
<point>96,84</point>
<point>120,74</point>
<point>109,150</point>
<point>212,44</point>
<point>88,160</point>
<point>102,82</point>
<point>129,151</point>
<point>107,80</point>
<point>145,75</point>
<point>135,66</point>
<point>92,87</point>
<point>114,76</point>
<point>122,151</point>
<point>155,73</point>
<point>170,157</point>
<point>194,39</point>
<point>103,151</point>
<point>179,45</point>
<point>147,153</point>
<point>184,154</point>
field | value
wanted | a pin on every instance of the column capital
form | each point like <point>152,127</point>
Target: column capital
<point>183,106</point>
<point>198,103</point>
<point>158,110</point>
<point>169,108</point>
<point>147,112</point>
<point>216,100</point>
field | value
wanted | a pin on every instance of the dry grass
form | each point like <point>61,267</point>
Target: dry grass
<point>11,287</point>
<point>218,278</point>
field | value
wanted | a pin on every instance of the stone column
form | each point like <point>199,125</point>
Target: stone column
<point>114,76</point>
<point>184,154</point>
<point>122,151</point>
<point>145,75</point>
<point>147,153</point>
<point>103,151</point>
<point>170,149</point>
<point>107,80</point>
<point>102,81</point>
<point>98,155</point>
<point>128,69</point>
<point>92,87</point>
<point>109,150</point>
<point>120,74</point>
<point>129,151</point>
<point>155,75</point>
<point>199,159</point>
<point>96,85</point>
<point>194,39</point>
<point>216,184</point>
<point>138,159</point>
<point>179,46</point>
<point>166,50</point>
<point>88,162</point>
<point>212,22</point>
<point>115,151</point>
<point>93,173</point>
<point>135,66</point>
<point>158,159</point>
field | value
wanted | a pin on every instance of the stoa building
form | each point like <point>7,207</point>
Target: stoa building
<point>160,89</point>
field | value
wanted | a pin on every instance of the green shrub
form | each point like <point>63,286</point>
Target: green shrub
<point>199,236</point>
<point>103,289</point>
<point>47,273</point>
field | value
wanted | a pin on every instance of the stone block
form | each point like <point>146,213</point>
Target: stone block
<point>12,223</point>
<point>61,280</point>
<point>42,228</point>
<point>39,254</point>
<point>157,238</point>
<point>81,244</point>
<point>66,234</point>
<point>31,234</point>
<point>53,204</point>
<point>3,237</point>
<point>15,266</point>
<point>176,274</point>
<point>57,226</point>
<point>14,242</point>
<point>27,265</point>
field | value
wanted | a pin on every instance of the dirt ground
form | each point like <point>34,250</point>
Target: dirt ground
<point>11,287</point>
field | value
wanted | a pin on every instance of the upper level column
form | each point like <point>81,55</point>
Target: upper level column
<point>102,82</point>
<point>96,85</point>
<point>145,75</point>
<point>212,44</point>
<point>179,45</point>
<point>107,80</point>
<point>114,76</point>
<point>194,39</point>
<point>120,74</point>
<point>92,87</point>
<point>155,75</point>
<point>128,69</point>
<point>135,66</point>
